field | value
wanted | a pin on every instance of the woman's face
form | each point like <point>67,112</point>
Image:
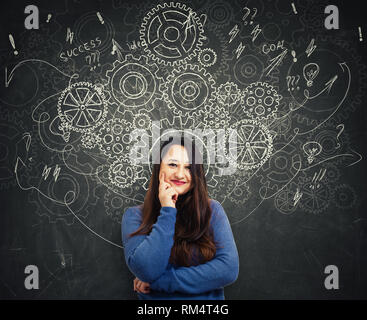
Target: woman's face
<point>176,167</point>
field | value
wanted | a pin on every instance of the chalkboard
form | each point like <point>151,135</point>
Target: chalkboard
<point>285,82</point>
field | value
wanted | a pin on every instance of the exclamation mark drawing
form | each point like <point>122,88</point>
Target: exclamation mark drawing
<point>294,8</point>
<point>100,18</point>
<point>360,33</point>
<point>293,53</point>
<point>13,44</point>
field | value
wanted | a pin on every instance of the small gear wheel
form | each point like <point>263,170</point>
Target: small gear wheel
<point>332,173</point>
<point>238,194</point>
<point>134,83</point>
<point>220,13</point>
<point>115,205</point>
<point>188,89</point>
<point>90,140</point>
<point>115,138</point>
<point>344,196</point>
<point>82,106</point>
<point>142,121</point>
<point>207,57</point>
<point>254,144</point>
<point>261,100</point>
<point>228,94</point>
<point>171,33</point>
<point>121,173</point>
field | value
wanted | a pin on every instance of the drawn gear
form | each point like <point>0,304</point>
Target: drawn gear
<point>115,138</point>
<point>344,197</point>
<point>316,196</point>
<point>228,94</point>
<point>207,57</point>
<point>261,100</point>
<point>82,106</point>
<point>122,173</point>
<point>171,33</point>
<point>134,83</point>
<point>254,144</point>
<point>188,90</point>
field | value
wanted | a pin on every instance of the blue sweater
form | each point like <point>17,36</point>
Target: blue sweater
<point>147,257</point>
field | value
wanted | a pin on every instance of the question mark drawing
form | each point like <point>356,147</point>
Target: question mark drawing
<point>252,18</point>
<point>246,15</point>
<point>340,132</point>
<point>288,82</point>
<point>292,82</point>
<point>298,77</point>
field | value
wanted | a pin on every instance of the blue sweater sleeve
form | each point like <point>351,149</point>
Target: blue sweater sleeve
<point>222,270</point>
<point>147,255</point>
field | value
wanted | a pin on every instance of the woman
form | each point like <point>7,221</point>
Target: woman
<point>179,243</point>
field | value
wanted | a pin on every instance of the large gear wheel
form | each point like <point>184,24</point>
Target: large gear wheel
<point>171,33</point>
<point>261,100</point>
<point>254,144</point>
<point>134,83</point>
<point>114,138</point>
<point>82,106</point>
<point>188,90</point>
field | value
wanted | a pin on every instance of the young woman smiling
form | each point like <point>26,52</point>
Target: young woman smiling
<point>179,243</point>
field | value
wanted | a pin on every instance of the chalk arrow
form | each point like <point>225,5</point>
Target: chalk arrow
<point>327,88</point>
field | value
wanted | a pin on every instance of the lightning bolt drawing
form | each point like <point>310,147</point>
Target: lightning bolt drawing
<point>239,49</point>
<point>233,33</point>
<point>255,32</point>
<point>46,172</point>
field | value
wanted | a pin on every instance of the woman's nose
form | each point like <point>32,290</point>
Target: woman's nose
<point>180,172</point>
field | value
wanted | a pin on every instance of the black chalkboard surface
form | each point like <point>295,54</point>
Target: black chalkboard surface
<point>286,81</point>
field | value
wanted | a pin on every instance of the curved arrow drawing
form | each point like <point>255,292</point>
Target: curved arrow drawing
<point>344,67</point>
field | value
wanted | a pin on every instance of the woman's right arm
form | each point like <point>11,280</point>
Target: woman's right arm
<point>147,255</point>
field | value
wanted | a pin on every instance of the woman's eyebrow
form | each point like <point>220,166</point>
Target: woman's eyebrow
<point>177,161</point>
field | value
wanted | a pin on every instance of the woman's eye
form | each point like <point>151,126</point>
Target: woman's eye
<point>172,164</point>
<point>188,168</point>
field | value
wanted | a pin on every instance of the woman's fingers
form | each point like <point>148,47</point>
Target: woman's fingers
<point>142,287</point>
<point>135,283</point>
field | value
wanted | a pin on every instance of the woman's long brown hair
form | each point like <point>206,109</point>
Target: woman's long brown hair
<point>193,239</point>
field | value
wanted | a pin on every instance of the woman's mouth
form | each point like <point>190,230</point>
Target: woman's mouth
<point>178,183</point>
